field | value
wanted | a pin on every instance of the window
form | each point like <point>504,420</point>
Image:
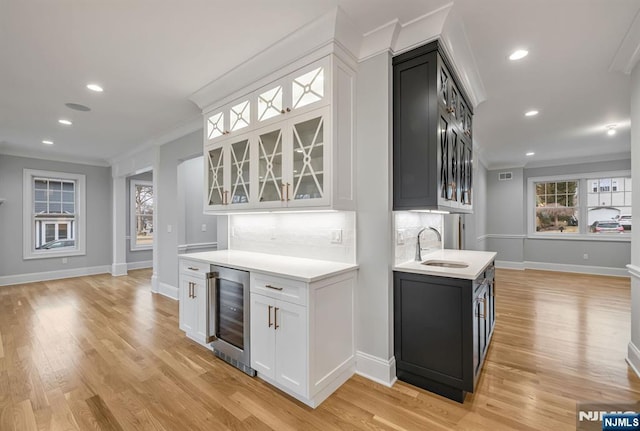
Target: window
<point>141,215</point>
<point>589,205</point>
<point>53,210</point>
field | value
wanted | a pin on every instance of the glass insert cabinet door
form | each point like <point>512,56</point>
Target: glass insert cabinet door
<point>270,167</point>
<point>240,172</point>
<point>309,155</point>
<point>215,176</point>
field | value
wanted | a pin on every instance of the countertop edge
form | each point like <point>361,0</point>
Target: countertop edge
<point>328,274</point>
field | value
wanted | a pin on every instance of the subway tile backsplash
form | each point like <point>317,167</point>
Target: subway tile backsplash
<point>312,235</point>
<point>408,224</point>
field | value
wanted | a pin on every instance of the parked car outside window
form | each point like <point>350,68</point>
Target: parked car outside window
<point>606,226</point>
<point>58,243</point>
<point>625,221</point>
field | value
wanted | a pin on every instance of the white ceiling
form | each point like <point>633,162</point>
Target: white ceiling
<point>151,55</point>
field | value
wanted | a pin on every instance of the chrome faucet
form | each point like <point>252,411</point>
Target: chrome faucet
<point>419,247</point>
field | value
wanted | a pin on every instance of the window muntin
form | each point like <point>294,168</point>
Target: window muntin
<point>141,215</point>
<point>53,209</point>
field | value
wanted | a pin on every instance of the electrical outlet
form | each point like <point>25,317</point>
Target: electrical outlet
<point>169,228</point>
<point>585,256</point>
<point>204,227</point>
<point>233,231</point>
<point>400,237</point>
<point>64,260</point>
<point>336,236</point>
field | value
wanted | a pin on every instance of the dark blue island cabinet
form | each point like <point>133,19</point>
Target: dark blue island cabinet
<point>442,329</point>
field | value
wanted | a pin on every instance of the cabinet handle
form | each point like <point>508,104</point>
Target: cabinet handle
<point>270,324</point>
<point>484,308</point>
<point>273,287</point>
<point>190,286</point>
<point>288,192</point>
<point>275,317</point>
<point>288,109</point>
<point>193,268</point>
<point>282,192</point>
<point>225,200</point>
<point>193,289</point>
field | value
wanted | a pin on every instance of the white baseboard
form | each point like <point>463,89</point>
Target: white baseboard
<point>633,358</point>
<point>167,290</point>
<point>155,283</point>
<point>506,264</point>
<point>582,269</point>
<point>377,369</point>
<point>8,280</point>
<point>118,269</point>
<point>139,265</point>
<point>563,267</point>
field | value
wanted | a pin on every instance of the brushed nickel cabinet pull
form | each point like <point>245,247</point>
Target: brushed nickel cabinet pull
<point>270,324</point>
<point>484,308</point>
<point>275,317</point>
<point>193,268</point>
<point>273,287</point>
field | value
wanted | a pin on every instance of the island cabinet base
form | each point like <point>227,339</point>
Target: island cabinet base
<point>442,328</point>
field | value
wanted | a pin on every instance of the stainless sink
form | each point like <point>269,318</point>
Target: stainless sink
<point>445,263</point>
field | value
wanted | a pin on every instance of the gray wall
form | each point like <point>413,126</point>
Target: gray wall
<point>191,184</point>
<point>507,222</point>
<point>99,210</point>
<point>374,245</point>
<point>475,225</point>
<point>137,255</point>
<point>169,212</point>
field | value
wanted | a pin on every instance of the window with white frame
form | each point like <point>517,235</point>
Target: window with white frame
<point>53,210</point>
<point>588,205</point>
<point>141,215</point>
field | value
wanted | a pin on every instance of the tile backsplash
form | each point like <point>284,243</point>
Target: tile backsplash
<point>407,224</point>
<point>314,235</point>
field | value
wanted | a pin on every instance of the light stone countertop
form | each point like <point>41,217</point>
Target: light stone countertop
<point>477,261</point>
<point>296,268</point>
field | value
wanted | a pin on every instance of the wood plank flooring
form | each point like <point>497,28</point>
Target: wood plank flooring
<point>103,353</point>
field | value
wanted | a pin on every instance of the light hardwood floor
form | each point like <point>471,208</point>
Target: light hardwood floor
<point>104,353</point>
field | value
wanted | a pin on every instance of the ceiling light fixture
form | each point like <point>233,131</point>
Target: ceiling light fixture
<point>531,113</point>
<point>530,153</point>
<point>65,122</point>
<point>95,87</point>
<point>47,142</point>
<point>518,54</point>
<point>611,129</point>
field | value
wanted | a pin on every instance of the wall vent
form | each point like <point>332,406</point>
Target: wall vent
<point>505,176</point>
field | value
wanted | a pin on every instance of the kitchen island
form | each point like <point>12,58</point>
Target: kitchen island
<point>444,315</point>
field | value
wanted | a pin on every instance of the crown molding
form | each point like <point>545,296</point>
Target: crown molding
<point>628,52</point>
<point>9,150</point>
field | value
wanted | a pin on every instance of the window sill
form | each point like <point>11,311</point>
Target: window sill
<point>583,237</point>
<point>53,254</point>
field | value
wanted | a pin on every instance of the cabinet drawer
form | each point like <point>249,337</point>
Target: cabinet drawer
<point>280,288</point>
<point>194,268</point>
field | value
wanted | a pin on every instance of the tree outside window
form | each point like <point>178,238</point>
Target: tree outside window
<point>142,214</point>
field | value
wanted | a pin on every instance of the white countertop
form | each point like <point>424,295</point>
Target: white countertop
<point>477,261</point>
<point>308,270</point>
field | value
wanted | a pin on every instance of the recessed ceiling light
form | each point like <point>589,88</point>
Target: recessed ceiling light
<point>77,107</point>
<point>65,122</point>
<point>611,129</point>
<point>530,153</point>
<point>47,142</point>
<point>531,113</point>
<point>518,54</point>
<point>95,87</point>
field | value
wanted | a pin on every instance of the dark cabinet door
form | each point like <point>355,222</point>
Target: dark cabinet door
<point>415,172</point>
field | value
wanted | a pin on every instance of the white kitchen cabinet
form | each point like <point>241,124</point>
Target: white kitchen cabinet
<point>299,131</point>
<point>228,167</point>
<point>193,296</point>
<point>302,334</point>
<point>279,351</point>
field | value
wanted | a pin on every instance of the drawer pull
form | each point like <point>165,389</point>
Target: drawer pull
<point>194,268</point>
<point>273,287</point>
<point>275,318</point>
<point>270,324</point>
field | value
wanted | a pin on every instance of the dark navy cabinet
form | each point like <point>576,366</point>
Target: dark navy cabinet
<point>442,330</point>
<point>432,134</point>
